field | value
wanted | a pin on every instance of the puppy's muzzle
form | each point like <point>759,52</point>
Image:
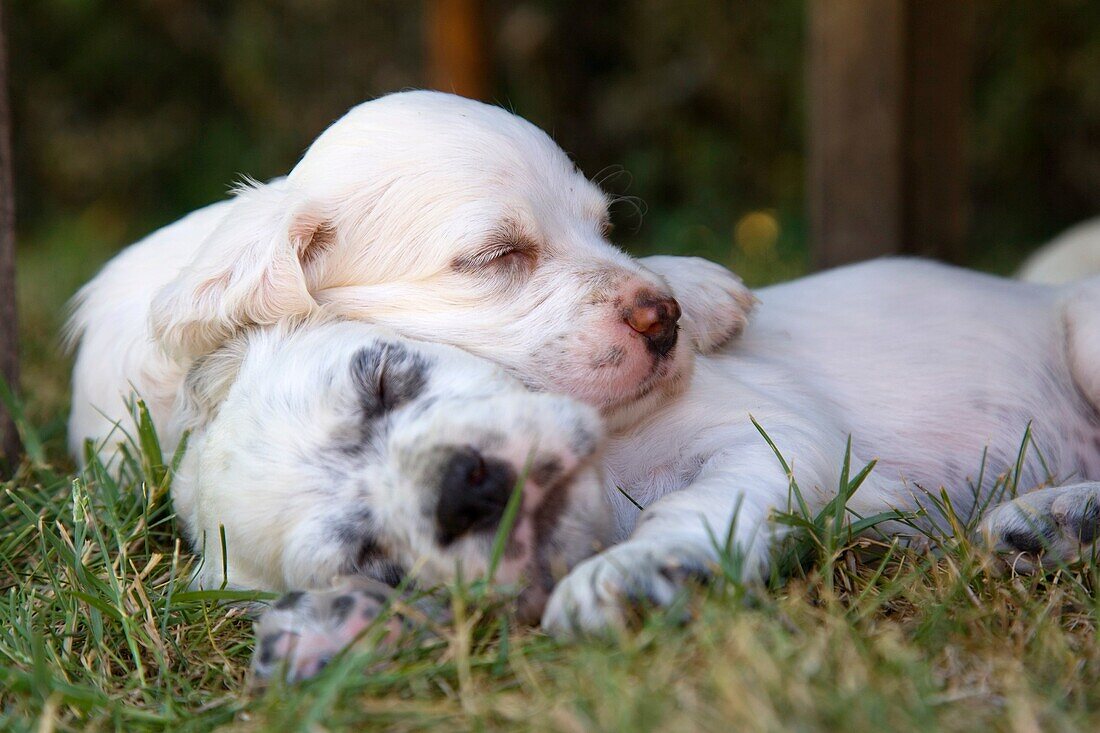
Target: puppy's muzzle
<point>655,317</point>
<point>474,491</point>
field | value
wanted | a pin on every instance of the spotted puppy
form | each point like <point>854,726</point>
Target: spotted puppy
<point>323,450</point>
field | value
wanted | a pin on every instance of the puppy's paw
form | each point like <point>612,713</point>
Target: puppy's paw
<point>600,595</point>
<point>716,305</point>
<point>1046,528</point>
<point>303,631</point>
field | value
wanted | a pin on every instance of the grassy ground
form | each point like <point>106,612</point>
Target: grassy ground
<point>98,630</point>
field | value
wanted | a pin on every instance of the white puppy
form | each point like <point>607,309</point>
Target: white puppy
<point>448,219</point>
<point>927,367</point>
<point>337,458</point>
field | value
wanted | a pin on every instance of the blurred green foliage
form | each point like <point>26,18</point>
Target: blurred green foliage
<point>129,113</point>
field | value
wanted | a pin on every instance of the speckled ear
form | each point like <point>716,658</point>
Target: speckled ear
<point>716,304</point>
<point>208,382</point>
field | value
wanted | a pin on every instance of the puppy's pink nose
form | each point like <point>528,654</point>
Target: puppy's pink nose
<point>654,317</point>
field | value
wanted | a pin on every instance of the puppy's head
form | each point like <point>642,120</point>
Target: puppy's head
<point>340,448</point>
<point>448,220</point>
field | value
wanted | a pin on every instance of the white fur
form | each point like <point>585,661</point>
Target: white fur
<point>290,470</point>
<point>394,215</point>
<point>1072,255</point>
<point>925,366</point>
<point>389,218</point>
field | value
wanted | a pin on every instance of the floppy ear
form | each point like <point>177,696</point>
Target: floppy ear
<point>248,271</point>
<point>716,305</point>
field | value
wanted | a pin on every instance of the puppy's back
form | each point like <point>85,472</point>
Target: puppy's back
<point>108,327</point>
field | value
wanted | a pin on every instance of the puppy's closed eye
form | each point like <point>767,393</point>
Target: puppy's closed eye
<point>515,257</point>
<point>508,257</point>
<point>510,251</point>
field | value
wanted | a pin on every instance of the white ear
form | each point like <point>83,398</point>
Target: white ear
<point>248,271</point>
<point>716,305</point>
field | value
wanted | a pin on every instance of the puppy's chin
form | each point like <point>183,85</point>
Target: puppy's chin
<point>668,379</point>
<point>618,378</point>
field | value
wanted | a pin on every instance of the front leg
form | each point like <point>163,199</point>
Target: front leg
<point>653,565</point>
<point>682,536</point>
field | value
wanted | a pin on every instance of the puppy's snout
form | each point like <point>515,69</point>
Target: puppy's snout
<point>655,317</point>
<point>473,493</point>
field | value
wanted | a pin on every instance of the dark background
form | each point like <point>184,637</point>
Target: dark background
<point>129,113</point>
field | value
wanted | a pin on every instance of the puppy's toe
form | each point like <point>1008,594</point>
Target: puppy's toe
<point>1044,529</point>
<point>1078,511</point>
<point>303,631</point>
<point>603,594</point>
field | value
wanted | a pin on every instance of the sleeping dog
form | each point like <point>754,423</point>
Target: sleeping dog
<point>455,222</point>
<point>930,369</point>
<point>440,217</point>
<point>333,452</point>
<point>336,449</point>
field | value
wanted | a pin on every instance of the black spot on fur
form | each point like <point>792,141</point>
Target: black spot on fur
<point>546,471</point>
<point>369,552</point>
<point>548,512</point>
<point>289,601</point>
<point>583,440</point>
<point>386,376</point>
<point>384,571</point>
<point>354,531</point>
<point>341,607</point>
<point>267,648</point>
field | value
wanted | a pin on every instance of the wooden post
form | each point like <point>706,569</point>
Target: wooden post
<point>457,47</point>
<point>888,89</point>
<point>937,117</point>
<point>9,326</point>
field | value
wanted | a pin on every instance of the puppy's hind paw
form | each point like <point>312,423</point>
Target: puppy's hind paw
<point>1045,529</point>
<point>304,630</point>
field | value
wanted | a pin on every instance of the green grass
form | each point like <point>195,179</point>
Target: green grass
<point>98,630</point>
